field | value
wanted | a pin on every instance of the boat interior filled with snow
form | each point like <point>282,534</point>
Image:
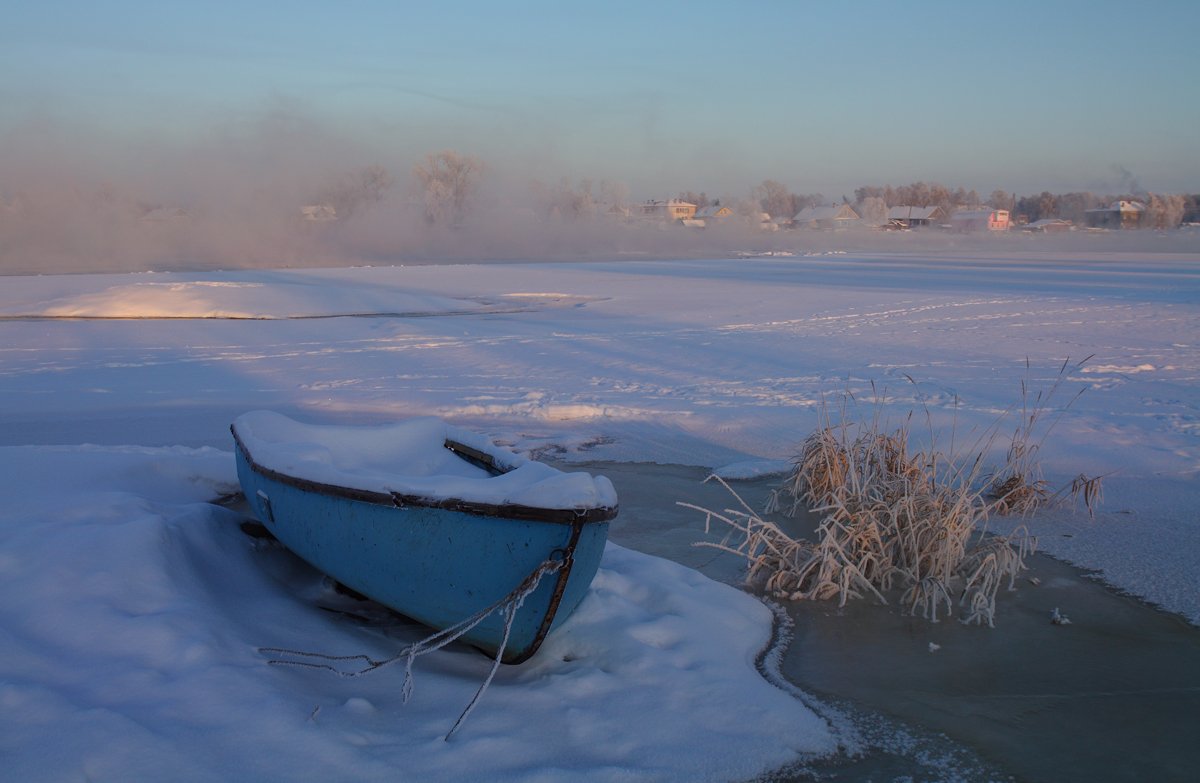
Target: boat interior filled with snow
<point>434,521</point>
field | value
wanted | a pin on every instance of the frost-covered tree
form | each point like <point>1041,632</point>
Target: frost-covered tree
<point>873,211</point>
<point>567,200</point>
<point>918,194</point>
<point>701,199</point>
<point>1164,210</point>
<point>774,198</point>
<point>800,202</point>
<point>614,195</point>
<point>448,180</point>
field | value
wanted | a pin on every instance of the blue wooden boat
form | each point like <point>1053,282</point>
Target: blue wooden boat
<point>433,521</point>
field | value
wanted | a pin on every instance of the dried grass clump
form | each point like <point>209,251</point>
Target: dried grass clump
<point>1017,494</point>
<point>1018,486</point>
<point>894,520</point>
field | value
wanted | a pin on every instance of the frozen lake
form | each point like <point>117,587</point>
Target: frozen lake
<point>117,391</point>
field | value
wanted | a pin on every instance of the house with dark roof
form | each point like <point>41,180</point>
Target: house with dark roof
<point>826,217</point>
<point>1119,214</point>
<point>915,217</point>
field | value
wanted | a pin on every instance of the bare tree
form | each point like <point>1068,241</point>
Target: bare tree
<point>356,191</point>
<point>614,195</point>
<point>1038,207</point>
<point>867,191</point>
<point>1074,206</point>
<point>448,180</point>
<point>918,194</point>
<point>940,196</point>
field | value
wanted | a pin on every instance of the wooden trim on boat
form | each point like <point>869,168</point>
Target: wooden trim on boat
<point>560,587</point>
<point>479,459</point>
<point>561,516</point>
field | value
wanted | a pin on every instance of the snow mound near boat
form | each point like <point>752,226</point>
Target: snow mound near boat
<point>411,458</point>
<point>130,652</point>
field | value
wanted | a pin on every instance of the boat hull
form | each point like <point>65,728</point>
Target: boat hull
<point>435,564</point>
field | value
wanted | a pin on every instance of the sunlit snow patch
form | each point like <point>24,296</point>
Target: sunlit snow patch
<point>182,298</point>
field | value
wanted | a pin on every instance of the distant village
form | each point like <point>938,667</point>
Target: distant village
<point>449,180</point>
<point>871,213</point>
<point>446,191</point>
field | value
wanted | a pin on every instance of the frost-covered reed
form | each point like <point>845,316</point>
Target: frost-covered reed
<point>896,522</point>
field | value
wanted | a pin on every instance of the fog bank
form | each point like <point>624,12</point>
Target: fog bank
<point>282,189</point>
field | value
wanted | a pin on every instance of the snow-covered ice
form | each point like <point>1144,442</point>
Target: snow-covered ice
<point>134,607</point>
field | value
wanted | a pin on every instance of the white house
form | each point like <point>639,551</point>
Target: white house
<point>318,213</point>
<point>673,209</point>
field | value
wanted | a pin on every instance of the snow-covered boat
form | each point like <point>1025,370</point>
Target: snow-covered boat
<point>432,520</point>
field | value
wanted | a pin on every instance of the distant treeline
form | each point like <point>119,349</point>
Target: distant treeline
<point>1163,210</point>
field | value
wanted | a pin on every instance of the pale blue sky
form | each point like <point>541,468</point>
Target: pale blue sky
<point>664,97</point>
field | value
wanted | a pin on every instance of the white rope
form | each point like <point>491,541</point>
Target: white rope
<point>510,604</point>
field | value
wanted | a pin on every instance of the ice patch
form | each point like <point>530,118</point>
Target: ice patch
<point>1119,368</point>
<point>754,468</point>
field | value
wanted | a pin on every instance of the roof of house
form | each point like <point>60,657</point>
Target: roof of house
<point>714,211</point>
<point>976,214</point>
<point>670,203</point>
<point>832,212</point>
<point>913,213</point>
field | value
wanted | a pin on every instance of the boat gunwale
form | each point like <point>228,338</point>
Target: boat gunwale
<point>399,500</point>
